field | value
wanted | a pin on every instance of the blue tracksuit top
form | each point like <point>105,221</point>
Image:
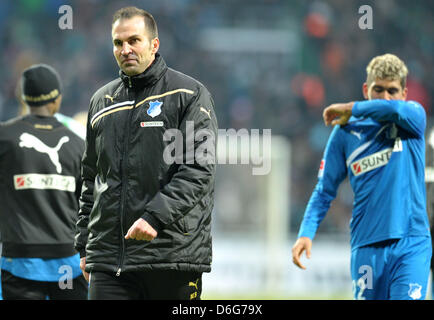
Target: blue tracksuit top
<point>382,150</point>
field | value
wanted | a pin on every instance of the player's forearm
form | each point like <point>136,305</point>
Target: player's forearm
<point>310,224</point>
<point>408,115</point>
<point>315,212</point>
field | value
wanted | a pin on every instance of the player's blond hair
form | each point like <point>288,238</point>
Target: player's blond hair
<point>387,67</point>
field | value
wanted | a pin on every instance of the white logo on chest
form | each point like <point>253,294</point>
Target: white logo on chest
<point>375,160</point>
<point>30,141</point>
<point>357,134</point>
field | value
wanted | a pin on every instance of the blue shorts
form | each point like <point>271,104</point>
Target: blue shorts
<point>396,269</point>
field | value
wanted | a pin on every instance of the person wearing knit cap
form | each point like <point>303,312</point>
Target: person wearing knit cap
<point>40,85</point>
<point>76,125</point>
<point>40,163</point>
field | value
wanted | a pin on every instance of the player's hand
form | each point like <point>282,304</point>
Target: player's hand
<point>82,266</point>
<point>302,244</point>
<point>337,113</point>
<point>141,230</point>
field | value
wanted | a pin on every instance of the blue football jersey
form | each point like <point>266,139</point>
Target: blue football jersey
<point>382,150</point>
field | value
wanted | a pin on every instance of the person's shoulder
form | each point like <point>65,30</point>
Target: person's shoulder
<point>107,89</point>
<point>10,122</point>
<point>73,127</point>
<point>177,79</point>
<point>74,136</point>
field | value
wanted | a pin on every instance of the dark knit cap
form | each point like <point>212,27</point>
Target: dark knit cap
<point>40,84</point>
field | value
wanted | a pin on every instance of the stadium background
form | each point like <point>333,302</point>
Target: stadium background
<point>270,64</point>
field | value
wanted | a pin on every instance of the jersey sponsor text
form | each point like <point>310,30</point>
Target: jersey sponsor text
<point>44,181</point>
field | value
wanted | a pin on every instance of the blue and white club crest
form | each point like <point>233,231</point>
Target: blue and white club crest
<point>415,291</point>
<point>154,108</point>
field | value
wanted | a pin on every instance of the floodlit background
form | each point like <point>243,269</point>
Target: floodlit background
<point>270,64</point>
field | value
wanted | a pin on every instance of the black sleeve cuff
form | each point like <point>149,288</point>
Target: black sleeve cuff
<point>154,222</point>
<point>82,253</point>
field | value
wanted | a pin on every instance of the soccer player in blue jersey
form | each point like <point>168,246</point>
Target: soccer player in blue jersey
<point>379,143</point>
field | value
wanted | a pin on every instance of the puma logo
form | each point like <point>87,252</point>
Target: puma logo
<point>30,141</point>
<point>357,134</point>
<point>195,285</point>
<point>208,112</point>
<point>109,97</point>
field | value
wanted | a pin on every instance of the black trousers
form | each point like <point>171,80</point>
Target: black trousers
<point>16,288</point>
<point>145,285</point>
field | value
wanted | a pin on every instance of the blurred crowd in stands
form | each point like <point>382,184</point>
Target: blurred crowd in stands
<point>268,63</point>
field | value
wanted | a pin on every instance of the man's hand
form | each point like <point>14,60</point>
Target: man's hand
<point>82,266</point>
<point>337,113</point>
<point>302,244</point>
<point>141,230</point>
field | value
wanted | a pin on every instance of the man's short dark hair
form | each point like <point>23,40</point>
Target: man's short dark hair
<point>130,12</point>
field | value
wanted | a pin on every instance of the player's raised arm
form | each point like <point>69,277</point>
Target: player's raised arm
<point>337,113</point>
<point>408,115</point>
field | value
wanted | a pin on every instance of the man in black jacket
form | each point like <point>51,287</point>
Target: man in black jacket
<point>144,228</point>
<point>40,161</point>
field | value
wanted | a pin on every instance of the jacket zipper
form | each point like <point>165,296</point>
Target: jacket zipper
<point>124,166</point>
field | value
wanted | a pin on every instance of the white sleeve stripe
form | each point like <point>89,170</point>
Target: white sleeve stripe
<point>111,107</point>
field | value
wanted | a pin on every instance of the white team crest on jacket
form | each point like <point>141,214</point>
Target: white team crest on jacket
<point>154,108</point>
<point>30,141</point>
<point>415,291</point>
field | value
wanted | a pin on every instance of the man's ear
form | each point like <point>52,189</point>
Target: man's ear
<point>55,107</point>
<point>155,44</point>
<point>365,91</point>
<point>404,93</point>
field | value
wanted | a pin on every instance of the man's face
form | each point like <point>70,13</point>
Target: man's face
<point>384,89</point>
<point>132,47</point>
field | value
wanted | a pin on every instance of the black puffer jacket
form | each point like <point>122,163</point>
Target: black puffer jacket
<point>129,171</point>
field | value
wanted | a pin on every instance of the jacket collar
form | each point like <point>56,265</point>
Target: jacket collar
<point>148,77</point>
